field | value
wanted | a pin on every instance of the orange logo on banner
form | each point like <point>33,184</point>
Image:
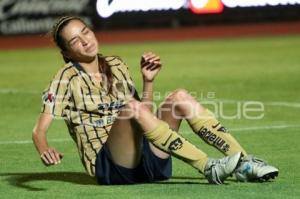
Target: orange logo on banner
<point>206,6</point>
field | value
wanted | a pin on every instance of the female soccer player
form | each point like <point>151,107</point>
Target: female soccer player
<point>119,139</point>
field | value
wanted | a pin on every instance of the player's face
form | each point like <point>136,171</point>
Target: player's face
<point>80,41</point>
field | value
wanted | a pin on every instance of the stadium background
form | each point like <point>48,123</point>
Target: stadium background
<point>238,54</point>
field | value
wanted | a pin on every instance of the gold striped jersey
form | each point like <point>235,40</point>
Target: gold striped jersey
<point>86,106</point>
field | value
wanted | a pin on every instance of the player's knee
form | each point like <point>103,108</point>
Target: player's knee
<point>179,95</point>
<point>183,102</point>
<point>180,99</point>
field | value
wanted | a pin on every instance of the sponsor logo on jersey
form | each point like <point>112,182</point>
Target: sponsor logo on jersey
<point>111,106</point>
<point>104,121</point>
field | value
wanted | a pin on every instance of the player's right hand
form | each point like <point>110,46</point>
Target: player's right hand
<point>51,157</point>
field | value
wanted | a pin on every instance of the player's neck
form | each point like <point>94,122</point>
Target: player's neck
<point>91,67</point>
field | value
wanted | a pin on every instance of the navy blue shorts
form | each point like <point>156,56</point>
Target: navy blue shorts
<point>150,169</point>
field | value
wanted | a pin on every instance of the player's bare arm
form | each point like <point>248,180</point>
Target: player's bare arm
<point>150,67</point>
<point>49,155</point>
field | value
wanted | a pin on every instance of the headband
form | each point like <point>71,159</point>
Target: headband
<point>61,21</point>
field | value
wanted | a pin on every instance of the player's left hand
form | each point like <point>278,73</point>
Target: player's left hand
<point>150,66</point>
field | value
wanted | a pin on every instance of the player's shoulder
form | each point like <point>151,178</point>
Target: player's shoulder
<point>113,60</point>
<point>67,71</point>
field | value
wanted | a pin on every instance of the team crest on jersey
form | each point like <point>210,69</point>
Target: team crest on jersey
<point>49,97</point>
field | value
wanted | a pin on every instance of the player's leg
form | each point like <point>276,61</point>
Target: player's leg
<point>159,133</point>
<point>180,104</point>
<point>165,114</point>
<point>125,140</point>
<point>209,129</point>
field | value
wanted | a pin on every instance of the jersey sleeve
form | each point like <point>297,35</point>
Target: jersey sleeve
<point>56,96</point>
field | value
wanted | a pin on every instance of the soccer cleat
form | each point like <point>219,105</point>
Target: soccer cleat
<point>252,169</point>
<point>217,170</point>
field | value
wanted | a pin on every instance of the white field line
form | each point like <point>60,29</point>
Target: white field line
<point>270,103</point>
<point>255,128</point>
<point>286,104</point>
<point>18,91</point>
<point>30,141</point>
<point>249,129</point>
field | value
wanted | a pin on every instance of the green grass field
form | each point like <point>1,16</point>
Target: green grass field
<point>233,70</point>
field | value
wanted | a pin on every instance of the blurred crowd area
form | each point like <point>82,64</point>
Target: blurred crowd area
<point>23,17</point>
